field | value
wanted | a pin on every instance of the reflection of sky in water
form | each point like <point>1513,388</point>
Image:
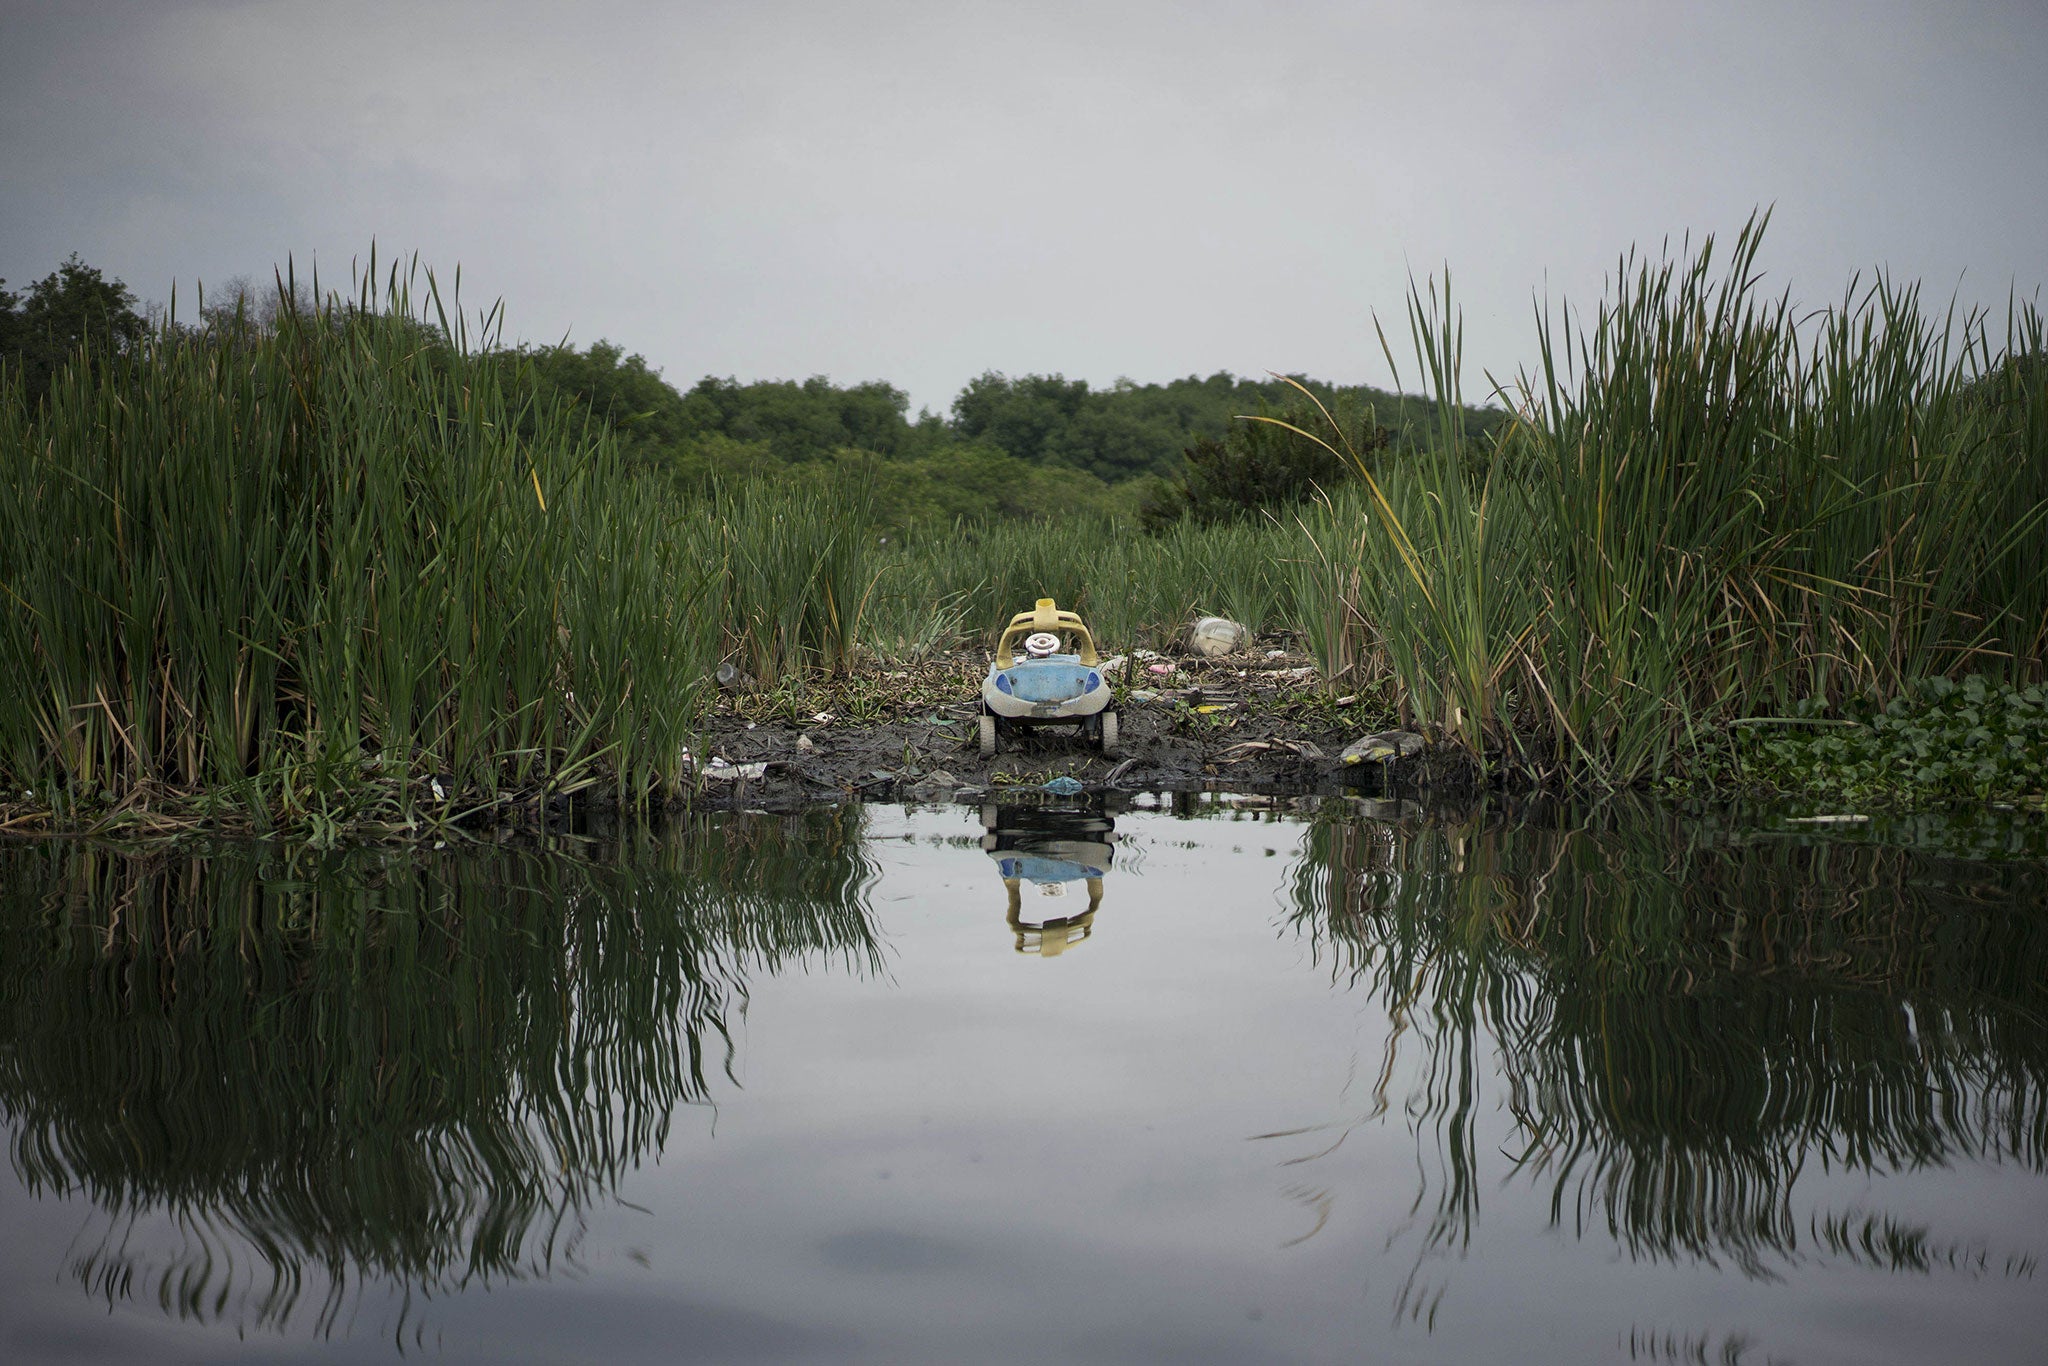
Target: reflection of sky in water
<point>1159,1148</point>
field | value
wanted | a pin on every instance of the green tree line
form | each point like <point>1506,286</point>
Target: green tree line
<point>1010,446</point>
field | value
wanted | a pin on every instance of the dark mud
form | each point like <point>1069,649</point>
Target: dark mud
<point>1258,723</point>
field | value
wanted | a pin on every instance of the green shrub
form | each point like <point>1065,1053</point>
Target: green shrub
<point>1265,465</point>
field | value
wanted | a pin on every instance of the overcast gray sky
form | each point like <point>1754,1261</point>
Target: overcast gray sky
<point>919,192</point>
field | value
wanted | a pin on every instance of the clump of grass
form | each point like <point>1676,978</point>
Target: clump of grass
<point>1134,588</point>
<point>321,563</point>
<point>1707,506</point>
<point>1231,569</point>
<point>1746,508</point>
<point>794,574</point>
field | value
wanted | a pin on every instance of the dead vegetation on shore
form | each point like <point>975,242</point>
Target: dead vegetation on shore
<point>1261,719</point>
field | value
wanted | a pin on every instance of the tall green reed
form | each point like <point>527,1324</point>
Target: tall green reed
<point>1427,570</point>
<point>1133,588</point>
<point>343,552</point>
<point>794,573</point>
<point>1747,507</point>
<point>1708,506</point>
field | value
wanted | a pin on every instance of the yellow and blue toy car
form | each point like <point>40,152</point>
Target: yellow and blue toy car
<point>1046,672</point>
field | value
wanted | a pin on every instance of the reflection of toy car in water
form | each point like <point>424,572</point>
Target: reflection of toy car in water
<point>1047,684</point>
<point>1052,849</point>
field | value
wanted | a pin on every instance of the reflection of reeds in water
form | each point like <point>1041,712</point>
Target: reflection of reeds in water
<point>331,1072</point>
<point>1693,1349</point>
<point>1682,1024</point>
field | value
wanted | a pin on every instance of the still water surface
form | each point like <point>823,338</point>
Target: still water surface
<point>1200,1083</point>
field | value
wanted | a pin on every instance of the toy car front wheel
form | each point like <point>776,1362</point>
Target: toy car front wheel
<point>988,736</point>
<point>1106,736</point>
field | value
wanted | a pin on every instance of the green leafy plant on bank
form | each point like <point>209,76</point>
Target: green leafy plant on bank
<point>1941,740</point>
<point>1257,467</point>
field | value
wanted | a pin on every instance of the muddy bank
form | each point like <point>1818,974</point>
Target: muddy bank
<point>1254,721</point>
<point>1257,721</point>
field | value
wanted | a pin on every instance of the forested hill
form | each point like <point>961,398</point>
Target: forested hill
<point>1129,430</point>
<point>1117,434</point>
<point>1026,446</point>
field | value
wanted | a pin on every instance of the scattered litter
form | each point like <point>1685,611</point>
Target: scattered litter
<point>1211,708</point>
<point>1825,820</point>
<point>1237,754</point>
<point>1143,695</point>
<point>1125,767</point>
<point>823,718</point>
<point>1383,747</point>
<point>724,771</point>
<point>732,679</point>
<point>1216,636</point>
<point>1346,700</point>
<point>804,743</point>
<point>1161,669</point>
<point>1063,786</point>
<point>936,785</point>
<point>1113,664</point>
<point>1276,654</point>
